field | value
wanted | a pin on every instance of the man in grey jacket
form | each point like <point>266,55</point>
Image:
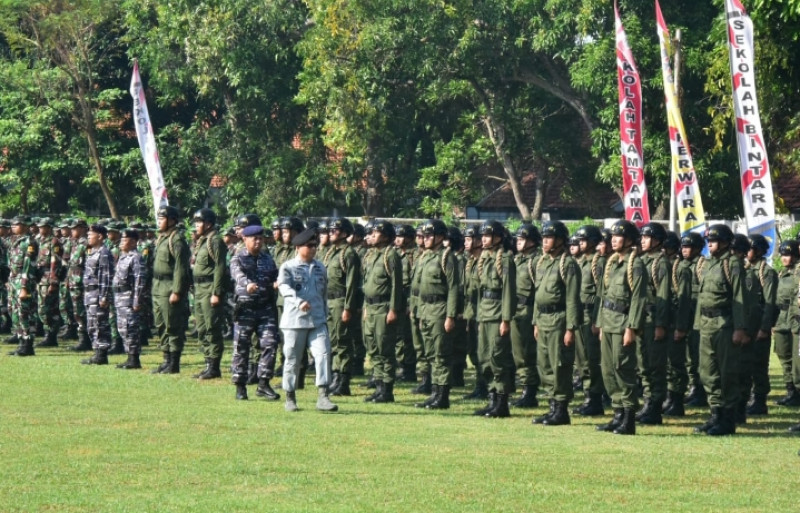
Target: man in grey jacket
<point>303,283</point>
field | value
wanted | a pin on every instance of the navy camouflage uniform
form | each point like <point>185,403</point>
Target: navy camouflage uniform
<point>97,276</point>
<point>128,286</point>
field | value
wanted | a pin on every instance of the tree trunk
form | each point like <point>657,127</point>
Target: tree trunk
<point>91,138</point>
<point>541,190</point>
<point>497,136</point>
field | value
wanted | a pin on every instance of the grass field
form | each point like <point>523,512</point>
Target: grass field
<point>96,439</point>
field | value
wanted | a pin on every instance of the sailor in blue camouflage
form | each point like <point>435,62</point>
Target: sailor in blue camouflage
<point>97,296</point>
<point>128,285</point>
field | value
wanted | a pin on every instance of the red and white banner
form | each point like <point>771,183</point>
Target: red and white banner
<point>637,208</point>
<point>759,203</point>
<point>147,141</point>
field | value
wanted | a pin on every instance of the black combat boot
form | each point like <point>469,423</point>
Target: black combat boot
<point>433,397</point>
<point>592,407</point>
<point>117,346</point>
<point>712,421</point>
<point>489,407</point>
<point>84,343</point>
<point>100,357</point>
<point>541,418</point>
<point>758,405</point>
<point>387,395</point>
<point>697,397</point>
<point>408,374</point>
<point>792,397</point>
<point>675,408</point>
<point>726,425</point>
<point>174,363</point>
<point>343,389</point>
<point>628,424</point>
<point>265,390</point>
<point>204,371</point>
<point>13,339</point>
<point>131,363</point>
<point>614,423</point>
<point>442,401</point>
<point>212,371</point>
<point>5,324</point>
<point>645,409</point>
<point>740,412</point>
<point>481,391</point>
<point>560,416</point>
<point>241,392</point>
<point>425,387</point>
<point>457,375</point>
<point>164,364</point>
<point>252,374</point>
<point>335,381</point>
<point>653,415</point>
<point>371,381</point>
<point>50,340</point>
<point>378,391</point>
<point>527,399</point>
<point>25,347</point>
<point>500,409</point>
<point>70,332</point>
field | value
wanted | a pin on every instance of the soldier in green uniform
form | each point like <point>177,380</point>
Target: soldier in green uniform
<point>344,301</point>
<point>423,364</point>
<point>384,302</point>
<point>146,248</point>
<point>50,267</point>
<point>22,255</point>
<point>405,350</point>
<point>455,241</point>
<point>437,309</point>
<point>497,304</point>
<point>473,249</point>
<point>785,332</point>
<point>587,347</point>
<point>653,346</point>
<point>69,329</point>
<point>171,282</point>
<point>623,295</point>
<point>356,241</point>
<point>557,315</point>
<point>5,318</point>
<point>523,345</point>
<point>211,279</point>
<point>720,318</point>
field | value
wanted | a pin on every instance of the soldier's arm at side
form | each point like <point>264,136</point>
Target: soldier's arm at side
<point>220,256</point>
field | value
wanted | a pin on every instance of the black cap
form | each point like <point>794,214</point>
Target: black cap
<point>252,230</point>
<point>304,237</point>
<point>129,234</point>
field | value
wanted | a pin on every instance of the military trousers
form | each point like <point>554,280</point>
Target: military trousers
<point>98,327</point>
<point>460,344</point>
<point>652,356</point>
<point>719,367</point>
<point>48,308</point>
<point>128,327</point>
<point>435,336</point>
<point>380,338</point>
<point>755,368</point>
<point>21,311</point>
<point>76,293</point>
<point>405,352</point>
<point>295,343</point>
<point>423,352</point>
<point>260,321</point>
<point>556,363</point>
<point>693,357</point>
<point>677,372</point>
<point>587,359</point>
<point>619,370</point>
<point>496,357</point>
<point>524,350</point>
<point>65,305</point>
<point>341,333</point>
<point>170,322</point>
<point>210,321</point>
<point>786,349</point>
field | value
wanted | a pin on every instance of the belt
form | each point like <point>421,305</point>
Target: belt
<point>615,307</point>
<point>551,308</point>
<point>336,295</point>
<point>715,312</point>
<point>784,307</point>
<point>203,279</point>
<point>433,298</point>
<point>374,300</point>
<point>492,294</point>
<point>162,277</point>
<point>525,300</point>
<point>90,288</point>
<point>121,288</point>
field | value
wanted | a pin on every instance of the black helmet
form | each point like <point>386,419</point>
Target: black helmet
<point>405,230</point>
<point>384,228</point>
<point>692,240</point>
<point>574,241</point>
<point>342,224</point>
<point>654,231</point>
<point>606,234</point>
<point>589,233</point>
<point>324,225</point>
<point>555,229</point>
<point>529,232</point>
<point>311,225</point>
<point>205,215</point>
<point>276,225</point>
<point>245,220</point>
<point>169,212</point>
<point>625,228</point>
<point>672,242</point>
<point>434,227</point>
<point>358,230</point>
<point>455,238</point>
<point>493,228</point>
<point>719,233</point>
<point>470,231</point>
<point>292,223</point>
<point>790,248</point>
<point>740,243</point>
<point>759,243</point>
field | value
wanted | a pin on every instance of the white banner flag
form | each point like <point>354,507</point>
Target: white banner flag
<point>147,142</point>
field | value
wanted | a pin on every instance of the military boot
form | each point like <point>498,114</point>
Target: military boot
<point>117,346</point>
<point>560,416</point>
<point>627,426</point>
<point>481,391</point>
<point>712,421</point>
<point>408,374</point>
<point>792,397</point>
<point>433,397</point>
<point>442,401</point>
<point>323,401</point>
<point>740,412</point>
<point>489,407</point>
<point>25,347</point>
<point>667,404</point>
<point>645,409</point>
<point>70,332</point>
<point>174,363</point>
<point>425,387</point>
<point>50,340</point>
<point>653,415</point>
<point>266,391</point>
<point>252,374</point>
<point>212,370</point>
<point>164,364</point>
<point>541,418</point>
<point>131,363</point>
<point>100,357</point>
<point>386,395</point>
<point>527,399</point>
<point>614,423</point>
<point>371,381</point>
<point>204,371</point>
<point>675,408</point>
<point>335,381</point>
<point>726,425</point>
<point>758,405</point>
<point>291,402</point>
<point>697,397</point>
<point>457,375</point>
<point>344,386</point>
<point>84,344</point>
<point>13,339</point>
<point>5,324</point>
<point>241,392</point>
<point>500,409</point>
<point>592,407</point>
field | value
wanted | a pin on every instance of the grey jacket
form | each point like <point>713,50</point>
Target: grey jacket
<point>298,282</point>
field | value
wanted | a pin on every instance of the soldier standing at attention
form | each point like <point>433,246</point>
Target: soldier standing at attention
<point>209,274</point>
<point>787,326</point>
<point>455,241</point>
<point>523,344</point>
<point>405,350</point>
<point>621,320</point>
<point>171,282</point>
<point>437,309</point>
<point>50,267</point>
<point>720,318</point>
<point>22,255</point>
<point>384,302</point>
<point>497,305</point>
<point>557,315</point>
<point>344,301</point>
<point>69,329</point>
<point>128,284</point>
<point>97,277</point>
<point>77,263</point>
<point>473,249</point>
<point>5,242</point>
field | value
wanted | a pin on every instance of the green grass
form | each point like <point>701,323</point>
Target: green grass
<point>97,439</point>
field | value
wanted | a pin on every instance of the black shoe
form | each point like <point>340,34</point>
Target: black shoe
<point>492,401</point>
<point>442,401</point>
<point>334,384</point>
<point>265,390</point>
<point>408,374</point>
<point>343,389</point>
<point>614,423</point>
<point>241,392</point>
<point>212,370</point>
<point>560,416</point>
<point>541,418</point>
<point>131,363</point>
<point>70,333</point>
<point>527,399</point>
<point>793,399</point>
<point>676,408</point>
<point>84,344</point>
<point>653,415</point>
<point>424,387</point>
<point>500,409</point>
<point>697,397</point>
<point>25,348</point>
<point>100,357</point>
<point>433,397</point>
<point>577,384</point>
<point>387,394</point>
<point>378,391</point>
<point>726,425</point>
<point>592,407</point>
<point>758,405</point>
<point>174,363</point>
<point>49,341</point>
<point>13,339</point>
<point>481,391</point>
<point>712,421</point>
<point>628,424</point>
<point>371,382</point>
<point>205,369</point>
<point>645,409</point>
<point>117,347</point>
<point>164,364</point>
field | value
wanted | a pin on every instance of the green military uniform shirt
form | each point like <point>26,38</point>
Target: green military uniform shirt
<point>558,285</point>
<point>171,264</point>
<point>438,284</point>
<point>497,296</point>
<point>721,290</point>
<point>210,260</point>
<point>383,279</point>
<point>786,300</point>
<point>623,294</point>
<point>659,302</point>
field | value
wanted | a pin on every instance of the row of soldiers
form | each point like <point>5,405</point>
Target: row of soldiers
<point>623,308</point>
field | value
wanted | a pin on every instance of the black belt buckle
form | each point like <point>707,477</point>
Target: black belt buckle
<point>433,298</point>
<point>203,279</point>
<point>551,308</point>
<point>491,294</point>
<point>374,300</point>
<point>615,307</point>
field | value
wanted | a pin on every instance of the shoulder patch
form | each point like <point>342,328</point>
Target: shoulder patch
<point>31,250</point>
